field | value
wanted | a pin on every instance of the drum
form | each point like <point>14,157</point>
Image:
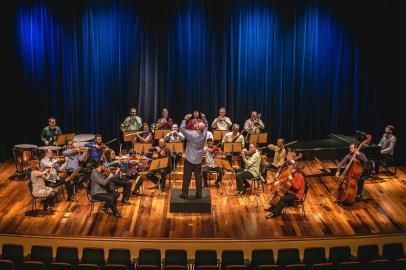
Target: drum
<point>23,153</point>
<point>83,137</point>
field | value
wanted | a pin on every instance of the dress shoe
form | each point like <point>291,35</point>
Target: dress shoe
<point>183,196</point>
<point>125,202</point>
<point>117,215</point>
<point>205,185</point>
<point>271,215</point>
<point>136,193</point>
<point>104,208</point>
<point>70,199</point>
<point>243,191</point>
<point>217,184</point>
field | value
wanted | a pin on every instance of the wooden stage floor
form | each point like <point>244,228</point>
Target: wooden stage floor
<point>382,212</point>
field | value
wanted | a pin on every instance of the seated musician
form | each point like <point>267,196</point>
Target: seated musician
<point>222,122</point>
<point>197,117</point>
<point>233,136</point>
<point>38,178</point>
<point>387,145</point>
<point>96,150</point>
<point>252,161</point>
<point>100,191</point>
<point>144,136</point>
<point>119,180</point>
<point>164,122</point>
<point>254,124</point>
<point>345,161</point>
<point>175,136</point>
<point>210,153</point>
<point>278,158</point>
<point>54,180</point>
<point>50,132</point>
<point>163,151</point>
<point>296,190</point>
<point>74,161</point>
<point>132,122</point>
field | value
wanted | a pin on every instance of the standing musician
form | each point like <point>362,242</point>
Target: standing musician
<point>210,152</point>
<point>54,180</point>
<point>195,140</point>
<point>164,122</point>
<point>38,178</point>
<point>387,145</point>
<point>252,161</point>
<point>233,136</point>
<point>99,188</point>
<point>254,124</point>
<point>144,136</point>
<point>163,151</point>
<point>175,136</point>
<point>197,117</point>
<point>296,190</point>
<point>96,150</point>
<point>119,179</point>
<point>222,122</point>
<point>359,156</point>
<point>50,132</point>
<point>132,122</point>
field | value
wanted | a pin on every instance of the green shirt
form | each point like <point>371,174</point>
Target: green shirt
<point>131,124</point>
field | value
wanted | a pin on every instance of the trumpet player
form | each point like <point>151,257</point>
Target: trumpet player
<point>132,122</point>
<point>254,124</point>
<point>164,122</point>
<point>222,122</point>
<point>175,136</point>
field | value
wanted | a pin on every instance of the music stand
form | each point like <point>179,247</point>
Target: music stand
<point>218,135</point>
<point>142,147</point>
<point>224,164</point>
<point>232,147</point>
<point>128,136</point>
<point>258,138</point>
<point>160,133</point>
<point>175,147</point>
<point>157,164</point>
<point>63,138</point>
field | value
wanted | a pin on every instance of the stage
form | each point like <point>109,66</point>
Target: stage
<point>232,218</point>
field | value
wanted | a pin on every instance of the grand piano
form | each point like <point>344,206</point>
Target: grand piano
<point>335,147</point>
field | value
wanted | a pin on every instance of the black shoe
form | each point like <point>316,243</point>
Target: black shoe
<point>243,192</point>
<point>162,189</point>
<point>205,185</point>
<point>117,215</point>
<point>45,206</point>
<point>269,209</point>
<point>125,202</point>
<point>136,193</point>
<point>198,196</point>
<point>70,199</point>
<point>104,209</point>
<point>183,196</point>
<point>217,184</point>
<point>271,215</point>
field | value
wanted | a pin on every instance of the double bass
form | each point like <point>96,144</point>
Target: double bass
<point>347,182</point>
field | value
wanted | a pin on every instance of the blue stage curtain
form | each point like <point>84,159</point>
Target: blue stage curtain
<point>300,68</point>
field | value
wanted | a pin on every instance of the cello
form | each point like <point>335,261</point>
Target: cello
<point>347,182</point>
<point>279,191</point>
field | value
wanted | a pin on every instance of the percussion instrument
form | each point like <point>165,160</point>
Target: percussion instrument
<point>23,153</point>
<point>83,137</point>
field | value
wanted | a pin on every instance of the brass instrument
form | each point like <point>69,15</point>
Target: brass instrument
<point>134,133</point>
<point>125,126</point>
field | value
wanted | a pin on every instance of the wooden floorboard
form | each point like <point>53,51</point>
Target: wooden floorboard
<point>383,211</point>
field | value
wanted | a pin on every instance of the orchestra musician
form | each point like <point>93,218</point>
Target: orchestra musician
<point>296,190</point>
<point>345,161</point>
<point>233,136</point>
<point>195,140</point>
<point>387,144</point>
<point>119,180</point>
<point>38,178</point>
<point>132,122</point>
<point>54,179</point>
<point>50,132</point>
<point>222,122</point>
<point>96,150</point>
<point>254,124</point>
<point>278,158</point>
<point>210,152</point>
<point>164,122</point>
<point>144,136</point>
<point>197,117</point>
<point>76,157</point>
<point>175,136</point>
<point>163,151</point>
<point>99,188</point>
<point>252,161</point>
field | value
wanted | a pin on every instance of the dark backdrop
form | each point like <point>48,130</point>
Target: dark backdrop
<point>310,67</point>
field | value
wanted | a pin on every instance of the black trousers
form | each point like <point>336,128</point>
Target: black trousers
<point>68,186</point>
<point>188,169</point>
<point>285,200</point>
<point>242,177</point>
<point>207,169</point>
<point>125,183</point>
<point>176,158</point>
<point>110,199</point>
<point>154,179</point>
<point>229,158</point>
